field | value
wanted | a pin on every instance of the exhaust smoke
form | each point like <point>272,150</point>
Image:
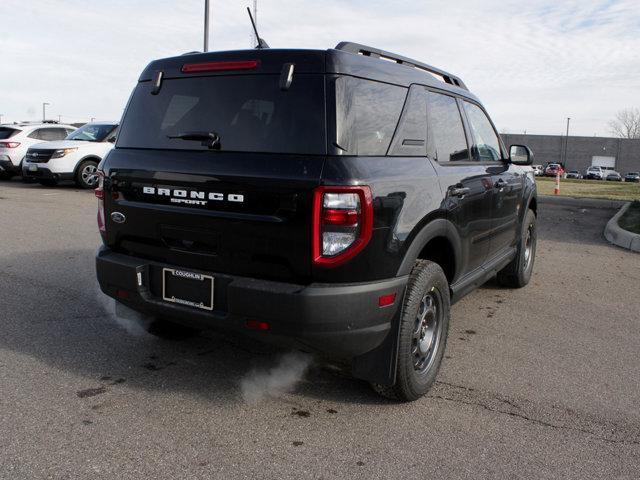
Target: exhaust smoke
<point>131,321</point>
<point>276,381</point>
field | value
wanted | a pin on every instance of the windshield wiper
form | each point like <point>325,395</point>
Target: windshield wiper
<point>209,139</point>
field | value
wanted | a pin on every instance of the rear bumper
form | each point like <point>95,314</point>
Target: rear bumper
<point>8,167</point>
<point>340,320</point>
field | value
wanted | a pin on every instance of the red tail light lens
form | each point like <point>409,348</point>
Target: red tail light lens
<point>9,144</point>
<point>219,66</point>
<point>99,192</point>
<point>342,223</point>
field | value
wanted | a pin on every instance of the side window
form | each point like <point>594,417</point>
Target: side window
<point>113,135</point>
<point>36,134</point>
<point>367,113</point>
<point>486,146</point>
<point>50,134</point>
<point>411,136</point>
<point>60,133</point>
<point>69,131</point>
<point>447,141</point>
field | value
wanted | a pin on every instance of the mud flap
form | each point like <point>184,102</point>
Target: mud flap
<point>379,365</point>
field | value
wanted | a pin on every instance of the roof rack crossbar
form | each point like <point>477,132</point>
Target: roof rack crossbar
<point>359,49</point>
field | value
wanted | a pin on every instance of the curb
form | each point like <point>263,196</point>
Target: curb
<point>619,236</point>
<point>581,201</point>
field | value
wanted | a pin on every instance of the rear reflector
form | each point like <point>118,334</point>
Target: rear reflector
<point>219,66</point>
<point>257,325</point>
<point>386,300</point>
<point>123,294</point>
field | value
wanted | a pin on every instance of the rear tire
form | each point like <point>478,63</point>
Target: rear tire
<point>423,333</point>
<point>86,175</point>
<point>518,273</point>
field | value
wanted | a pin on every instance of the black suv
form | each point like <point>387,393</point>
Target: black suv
<point>334,201</point>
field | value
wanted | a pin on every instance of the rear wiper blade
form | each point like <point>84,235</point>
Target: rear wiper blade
<point>209,139</point>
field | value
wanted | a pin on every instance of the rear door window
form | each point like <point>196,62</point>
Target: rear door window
<point>36,134</point>
<point>486,146</point>
<point>447,140</point>
<point>367,114</point>
<point>250,113</point>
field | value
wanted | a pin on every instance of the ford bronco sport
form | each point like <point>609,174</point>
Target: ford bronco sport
<point>334,201</point>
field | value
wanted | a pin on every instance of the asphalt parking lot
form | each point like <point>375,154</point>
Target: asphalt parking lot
<point>537,383</point>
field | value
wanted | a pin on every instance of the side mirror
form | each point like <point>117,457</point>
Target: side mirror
<point>111,140</point>
<point>520,155</point>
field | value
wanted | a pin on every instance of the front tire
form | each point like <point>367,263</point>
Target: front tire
<point>86,175</point>
<point>518,273</point>
<point>423,333</point>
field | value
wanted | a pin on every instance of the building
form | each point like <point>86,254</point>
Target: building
<point>620,153</point>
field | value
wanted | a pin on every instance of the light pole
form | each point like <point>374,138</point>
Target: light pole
<point>206,25</point>
<point>44,105</point>
<point>566,143</point>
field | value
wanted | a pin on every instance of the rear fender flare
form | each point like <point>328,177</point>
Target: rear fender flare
<point>439,227</point>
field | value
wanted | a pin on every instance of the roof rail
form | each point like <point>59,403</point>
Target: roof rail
<point>358,49</point>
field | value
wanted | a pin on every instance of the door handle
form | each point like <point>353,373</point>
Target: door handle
<point>456,191</point>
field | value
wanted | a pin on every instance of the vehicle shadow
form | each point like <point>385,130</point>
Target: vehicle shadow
<point>54,312</point>
<point>18,182</point>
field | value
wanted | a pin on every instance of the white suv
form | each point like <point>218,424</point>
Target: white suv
<point>16,138</point>
<point>75,158</point>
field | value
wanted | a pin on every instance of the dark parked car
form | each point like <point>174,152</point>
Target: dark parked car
<point>325,200</point>
<point>614,177</point>
<point>632,177</point>
<point>573,174</point>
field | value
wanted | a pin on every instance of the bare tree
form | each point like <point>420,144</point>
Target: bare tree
<point>626,124</point>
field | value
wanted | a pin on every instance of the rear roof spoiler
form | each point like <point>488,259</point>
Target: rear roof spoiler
<point>366,51</point>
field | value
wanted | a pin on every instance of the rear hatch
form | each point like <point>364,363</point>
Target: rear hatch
<point>241,204</point>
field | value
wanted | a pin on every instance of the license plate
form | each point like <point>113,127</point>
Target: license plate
<point>187,288</point>
<point>33,168</point>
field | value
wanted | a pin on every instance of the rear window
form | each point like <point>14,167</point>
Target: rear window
<point>7,132</point>
<point>250,113</point>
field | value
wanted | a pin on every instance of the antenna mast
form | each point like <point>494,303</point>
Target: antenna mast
<point>260,42</point>
<point>254,38</point>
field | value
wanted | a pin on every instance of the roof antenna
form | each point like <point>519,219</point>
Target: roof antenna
<point>261,43</point>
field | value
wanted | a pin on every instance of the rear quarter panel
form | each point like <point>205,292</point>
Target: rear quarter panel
<point>406,193</point>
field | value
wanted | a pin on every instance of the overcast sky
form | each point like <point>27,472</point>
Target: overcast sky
<point>532,63</point>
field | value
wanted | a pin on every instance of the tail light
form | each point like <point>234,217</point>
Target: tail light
<point>342,223</point>
<point>99,192</point>
<point>9,144</point>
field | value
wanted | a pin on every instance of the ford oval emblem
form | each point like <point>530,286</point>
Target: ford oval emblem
<point>118,217</point>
